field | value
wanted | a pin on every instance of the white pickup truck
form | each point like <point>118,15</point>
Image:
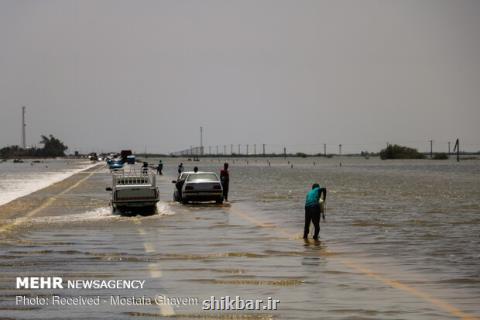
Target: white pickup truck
<point>134,191</point>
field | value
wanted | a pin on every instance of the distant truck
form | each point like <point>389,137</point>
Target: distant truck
<point>124,155</point>
<point>131,192</point>
<point>93,156</point>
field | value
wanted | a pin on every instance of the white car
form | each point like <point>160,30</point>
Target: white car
<point>198,186</point>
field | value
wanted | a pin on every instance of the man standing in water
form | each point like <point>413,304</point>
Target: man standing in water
<point>313,210</point>
<point>225,179</point>
<point>160,167</point>
<point>145,168</point>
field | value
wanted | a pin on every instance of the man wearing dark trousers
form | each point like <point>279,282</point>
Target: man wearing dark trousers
<point>313,210</point>
<point>225,180</point>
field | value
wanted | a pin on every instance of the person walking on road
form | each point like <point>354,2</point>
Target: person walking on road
<point>313,209</point>
<point>225,180</point>
<point>145,168</point>
<point>180,168</point>
<point>160,167</point>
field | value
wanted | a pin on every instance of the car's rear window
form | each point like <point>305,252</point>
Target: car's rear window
<point>202,177</point>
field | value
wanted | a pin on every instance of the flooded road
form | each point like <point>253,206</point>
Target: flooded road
<point>400,242</point>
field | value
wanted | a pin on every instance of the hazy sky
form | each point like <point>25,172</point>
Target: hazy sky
<point>106,75</point>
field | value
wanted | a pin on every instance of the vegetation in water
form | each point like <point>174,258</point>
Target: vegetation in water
<point>400,152</point>
<point>440,156</point>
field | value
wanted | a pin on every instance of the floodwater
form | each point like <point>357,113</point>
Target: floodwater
<point>401,241</point>
<point>20,179</point>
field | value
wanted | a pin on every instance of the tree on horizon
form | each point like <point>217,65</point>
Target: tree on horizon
<point>52,146</point>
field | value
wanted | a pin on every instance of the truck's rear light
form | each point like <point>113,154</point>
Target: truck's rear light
<point>217,187</point>
<point>189,188</point>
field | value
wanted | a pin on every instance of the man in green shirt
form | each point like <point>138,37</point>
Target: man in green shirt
<point>313,210</point>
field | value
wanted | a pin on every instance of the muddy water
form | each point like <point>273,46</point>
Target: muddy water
<point>400,242</point>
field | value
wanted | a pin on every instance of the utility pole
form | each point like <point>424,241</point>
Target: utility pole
<point>340,149</point>
<point>457,148</point>
<point>231,149</point>
<point>448,147</point>
<point>224,149</point>
<point>24,138</point>
<point>431,149</point>
<point>264,149</point>
<point>238,149</point>
<point>201,141</point>
<point>247,149</point>
<point>324,149</point>
<point>285,152</point>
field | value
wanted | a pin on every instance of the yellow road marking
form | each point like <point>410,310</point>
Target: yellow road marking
<point>44,205</point>
<point>441,304</point>
<point>263,224</point>
<point>413,291</point>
